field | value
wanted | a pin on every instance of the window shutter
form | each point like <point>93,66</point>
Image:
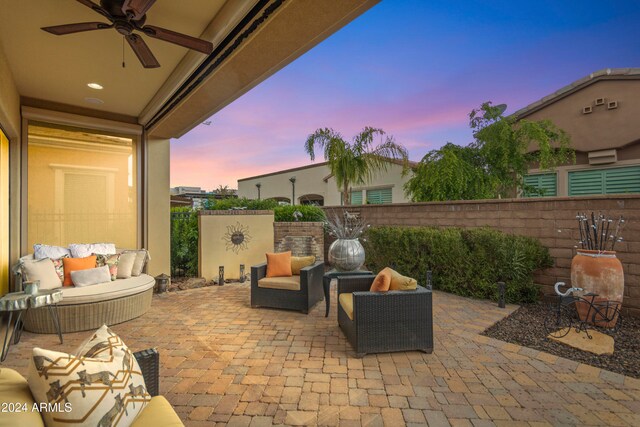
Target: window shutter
<point>622,180</point>
<point>379,196</point>
<point>605,181</point>
<point>585,182</point>
<point>546,185</point>
<point>356,197</point>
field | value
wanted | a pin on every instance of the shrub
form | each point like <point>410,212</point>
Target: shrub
<point>184,242</point>
<point>467,262</point>
<point>235,202</point>
<point>309,213</point>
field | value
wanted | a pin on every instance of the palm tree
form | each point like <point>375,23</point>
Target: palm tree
<point>356,162</point>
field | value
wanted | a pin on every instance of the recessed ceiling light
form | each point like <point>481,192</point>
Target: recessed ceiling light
<point>94,100</point>
<point>94,86</point>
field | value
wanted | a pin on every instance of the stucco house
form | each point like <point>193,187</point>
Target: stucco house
<point>85,129</point>
<point>600,112</point>
<point>315,184</point>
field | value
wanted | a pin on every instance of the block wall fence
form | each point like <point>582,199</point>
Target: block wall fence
<point>551,220</point>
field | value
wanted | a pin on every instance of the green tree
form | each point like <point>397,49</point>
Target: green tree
<point>495,163</point>
<point>356,162</point>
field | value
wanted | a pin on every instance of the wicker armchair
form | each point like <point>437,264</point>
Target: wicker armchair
<point>386,321</point>
<point>149,361</point>
<point>303,300</point>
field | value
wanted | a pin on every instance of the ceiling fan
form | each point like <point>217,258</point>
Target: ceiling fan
<point>127,16</point>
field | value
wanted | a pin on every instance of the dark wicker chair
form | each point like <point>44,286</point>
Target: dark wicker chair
<point>310,292</point>
<point>386,321</point>
<point>149,361</point>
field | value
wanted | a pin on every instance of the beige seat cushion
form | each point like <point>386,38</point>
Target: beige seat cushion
<point>291,283</point>
<point>159,413</point>
<point>14,389</point>
<point>346,302</point>
<point>106,291</point>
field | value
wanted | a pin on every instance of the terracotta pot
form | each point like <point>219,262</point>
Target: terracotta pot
<point>599,272</point>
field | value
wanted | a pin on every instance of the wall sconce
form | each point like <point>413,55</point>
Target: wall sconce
<point>258,185</point>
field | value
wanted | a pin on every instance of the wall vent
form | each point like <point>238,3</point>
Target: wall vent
<point>612,105</point>
<point>603,157</point>
<point>587,110</point>
<point>599,101</point>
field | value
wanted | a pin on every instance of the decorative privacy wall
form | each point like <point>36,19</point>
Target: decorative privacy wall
<point>231,238</point>
<point>552,220</point>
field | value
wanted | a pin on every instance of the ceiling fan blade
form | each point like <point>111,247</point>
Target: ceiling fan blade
<point>136,8</point>
<point>61,30</point>
<point>142,51</point>
<point>95,7</point>
<point>178,38</point>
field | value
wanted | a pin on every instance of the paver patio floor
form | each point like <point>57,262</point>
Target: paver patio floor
<point>224,362</point>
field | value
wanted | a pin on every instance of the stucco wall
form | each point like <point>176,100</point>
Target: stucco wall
<point>216,246</point>
<point>550,220</point>
<point>158,221</point>
<point>391,178</point>
<point>310,180</point>
<point>603,128</point>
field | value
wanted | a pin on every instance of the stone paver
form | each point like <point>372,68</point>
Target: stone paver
<point>224,363</point>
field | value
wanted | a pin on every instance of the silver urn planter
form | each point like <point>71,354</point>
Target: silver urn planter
<point>346,254</point>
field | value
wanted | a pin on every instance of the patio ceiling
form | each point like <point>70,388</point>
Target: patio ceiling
<point>53,71</point>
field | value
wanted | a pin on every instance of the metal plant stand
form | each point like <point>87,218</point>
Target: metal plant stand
<point>334,274</point>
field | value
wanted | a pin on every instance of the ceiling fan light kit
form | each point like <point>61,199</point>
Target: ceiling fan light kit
<point>128,16</point>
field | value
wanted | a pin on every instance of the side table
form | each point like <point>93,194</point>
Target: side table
<point>20,302</point>
<point>334,274</point>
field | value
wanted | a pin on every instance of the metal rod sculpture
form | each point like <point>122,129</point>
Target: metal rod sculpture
<point>594,232</point>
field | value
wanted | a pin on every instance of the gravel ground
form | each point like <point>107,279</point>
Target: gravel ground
<point>525,327</point>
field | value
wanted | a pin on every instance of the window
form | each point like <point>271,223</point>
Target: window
<point>379,196</point>
<point>4,213</point>
<point>541,185</point>
<point>356,197</point>
<point>82,187</point>
<point>605,181</point>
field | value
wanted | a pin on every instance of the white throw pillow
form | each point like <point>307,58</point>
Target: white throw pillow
<point>46,251</point>
<point>125,264</point>
<point>83,250</point>
<point>92,276</point>
<point>43,270</point>
<point>142,255</point>
<point>102,385</point>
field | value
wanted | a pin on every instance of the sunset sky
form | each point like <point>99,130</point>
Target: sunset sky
<point>414,68</point>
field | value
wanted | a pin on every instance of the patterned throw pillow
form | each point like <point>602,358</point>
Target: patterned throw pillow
<point>111,261</point>
<point>101,385</point>
<point>59,266</point>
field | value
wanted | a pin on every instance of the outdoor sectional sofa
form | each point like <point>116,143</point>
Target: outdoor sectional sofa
<point>88,308</point>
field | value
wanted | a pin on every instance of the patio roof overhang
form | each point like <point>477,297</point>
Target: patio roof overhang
<point>252,40</point>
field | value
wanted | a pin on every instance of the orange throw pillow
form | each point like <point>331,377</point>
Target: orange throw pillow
<point>75,264</point>
<point>382,281</point>
<point>279,265</point>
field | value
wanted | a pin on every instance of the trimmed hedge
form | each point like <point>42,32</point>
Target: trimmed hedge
<point>467,262</point>
<point>309,213</point>
<point>235,202</point>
